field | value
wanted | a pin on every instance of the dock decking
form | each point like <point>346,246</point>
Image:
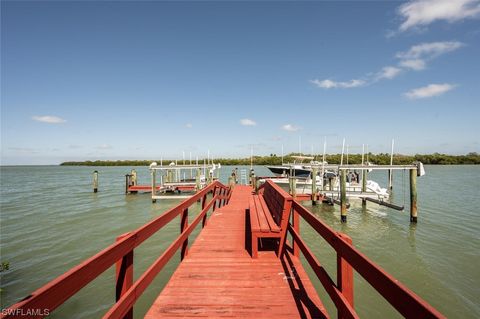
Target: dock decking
<point>219,278</point>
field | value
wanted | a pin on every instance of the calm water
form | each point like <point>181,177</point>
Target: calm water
<point>51,221</point>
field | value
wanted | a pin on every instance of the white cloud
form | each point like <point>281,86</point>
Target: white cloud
<point>248,122</point>
<point>414,64</point>
<point>388,72</point>
<point>290,128</point>
<point>48,119</point>
<point>429,91</point>
<point>329,84</point>
<point>429,50</point>
<point>104,147</point>
<point>423,12</point>
<point>188,125</point>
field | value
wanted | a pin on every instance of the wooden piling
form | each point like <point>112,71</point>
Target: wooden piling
<point>154,187</point>
<point>364,186</point>
<point>197,179</point>
<point>390,180</point>
<point>314,185</point>
<point>294,186</point>
<point>343,196</point>
<point>231,181</point>
<point>95,181</point>
<point>413,195</point>
<point>134,177</point>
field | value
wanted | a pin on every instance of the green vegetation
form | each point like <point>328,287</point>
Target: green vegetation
<point>273,159</point>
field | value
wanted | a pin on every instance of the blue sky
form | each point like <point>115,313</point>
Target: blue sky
<point>140,80</point>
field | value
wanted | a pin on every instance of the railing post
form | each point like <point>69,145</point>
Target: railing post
<point>204,203</point>
<point>213,198</point>
<point>344,275</point>
<point>296,227</point>
<point>124,276</point>
<point>183,226</point>
<point>222,200</point>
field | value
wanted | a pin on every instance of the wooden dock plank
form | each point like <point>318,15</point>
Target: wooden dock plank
<point>218,278</point>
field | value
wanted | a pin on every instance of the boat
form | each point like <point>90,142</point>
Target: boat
<point>297,168</point>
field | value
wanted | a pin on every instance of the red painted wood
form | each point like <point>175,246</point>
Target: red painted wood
<point>63,287</point>
<point>335,294</point>
<point>345,277</point>
<point>124,276</point>
<point>218,277</point>
<point>128,299</point>
<point>398,295</point>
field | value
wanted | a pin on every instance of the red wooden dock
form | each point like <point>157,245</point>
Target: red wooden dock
<point>219,278</point>
<point>218,275</point>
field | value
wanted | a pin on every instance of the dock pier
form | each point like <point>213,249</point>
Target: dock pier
<point>218,275</point>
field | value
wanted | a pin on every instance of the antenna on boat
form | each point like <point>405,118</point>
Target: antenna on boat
<point>183,156</point>
<point>343,149</point>
<point>367,153</point>
<point>208,157</point>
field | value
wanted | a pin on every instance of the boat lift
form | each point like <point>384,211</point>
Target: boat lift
<point>176,179</point>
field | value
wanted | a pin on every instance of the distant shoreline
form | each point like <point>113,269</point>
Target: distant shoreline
<point>273,159</point>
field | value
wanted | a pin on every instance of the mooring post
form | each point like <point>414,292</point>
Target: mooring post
<point>183,226</point>
<point>231,181</point>
<point>390,180</point>
<point>134,177</point>
<point>197,179</point>
<point>364,187</point>
<point>294,187</point>
<point>413,195</point>
<point>127,182</point>
<point>343,196</point>
<point>154,187</point>
<point>124,276</point>
<point>95,181</point>
<point>344,276</point>
<point>314,185</point>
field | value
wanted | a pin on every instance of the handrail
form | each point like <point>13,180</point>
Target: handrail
<point>405,301</point>
<point>57,291</point>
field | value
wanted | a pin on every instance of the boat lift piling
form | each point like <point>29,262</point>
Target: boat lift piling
<point>413,195</point>
<point>95,181</point>
<point>314,186</point>
<point>343,196</point>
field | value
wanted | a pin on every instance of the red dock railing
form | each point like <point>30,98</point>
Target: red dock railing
<point>53,294</point>
<point>348,259</point>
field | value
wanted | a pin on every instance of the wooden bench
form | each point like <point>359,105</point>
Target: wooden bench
<point>269,214</point>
